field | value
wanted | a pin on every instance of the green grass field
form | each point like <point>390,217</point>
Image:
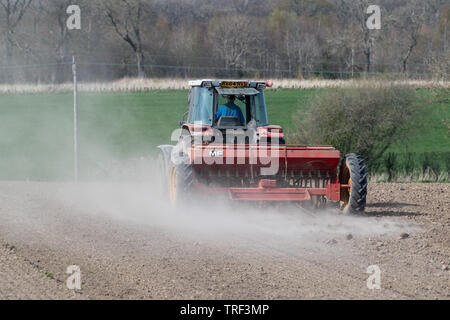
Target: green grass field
<point>36,130</point>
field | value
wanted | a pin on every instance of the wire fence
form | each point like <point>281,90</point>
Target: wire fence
<point>89,71</point>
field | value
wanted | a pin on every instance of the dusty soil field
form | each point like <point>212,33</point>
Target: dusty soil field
<point>131,246</point>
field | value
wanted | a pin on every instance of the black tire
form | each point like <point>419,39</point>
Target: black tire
<point>353,170</point>
<point>181,179</point>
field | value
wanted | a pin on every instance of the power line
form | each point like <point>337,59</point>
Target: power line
<point>34,65</point>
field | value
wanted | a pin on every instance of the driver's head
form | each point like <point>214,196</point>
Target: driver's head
<point>231,98</point>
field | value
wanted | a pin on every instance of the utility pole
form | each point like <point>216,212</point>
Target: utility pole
<point>75,118</point>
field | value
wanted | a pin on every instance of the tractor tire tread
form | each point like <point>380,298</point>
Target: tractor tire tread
<point>357,201</point>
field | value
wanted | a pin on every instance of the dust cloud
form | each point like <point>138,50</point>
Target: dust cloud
<point>126,189</point>
<point>133,196</point>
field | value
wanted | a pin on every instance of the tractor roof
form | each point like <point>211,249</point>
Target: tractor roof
<point>208,83</point>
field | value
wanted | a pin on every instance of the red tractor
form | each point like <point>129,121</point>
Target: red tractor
<point>218,154</point>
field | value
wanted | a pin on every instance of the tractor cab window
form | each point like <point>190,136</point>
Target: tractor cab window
<point>201,105</point>
<point>252,106</point>
<point>240,101</point>
<point>259,103</point>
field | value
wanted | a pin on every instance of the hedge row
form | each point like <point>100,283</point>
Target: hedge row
<point>429,165</point>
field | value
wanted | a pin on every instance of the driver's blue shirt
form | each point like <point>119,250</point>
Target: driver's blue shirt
<point>230,110</point>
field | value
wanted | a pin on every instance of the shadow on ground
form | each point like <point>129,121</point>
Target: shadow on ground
<point>390,205</point>
<point>393,214</point>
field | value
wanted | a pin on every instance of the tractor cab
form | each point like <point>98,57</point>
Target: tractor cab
<point>209,98</point>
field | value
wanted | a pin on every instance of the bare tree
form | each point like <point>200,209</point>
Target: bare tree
<point>408,20</point>
<point>232,38</point>
<point>14,11</point>
<point>182,47</point>
<point>355,10</point>
<point>56,11</point>
<point>126,17</point>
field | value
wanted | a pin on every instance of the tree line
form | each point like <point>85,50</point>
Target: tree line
<point>222,38</point>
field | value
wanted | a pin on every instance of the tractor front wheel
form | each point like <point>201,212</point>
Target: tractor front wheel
<point>353,180</point>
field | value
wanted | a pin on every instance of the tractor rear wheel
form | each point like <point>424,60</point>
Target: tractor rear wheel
<point>181,178</point>
<point>353,177</point>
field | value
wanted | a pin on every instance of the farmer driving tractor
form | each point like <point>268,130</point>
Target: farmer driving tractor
<point>230,109</point>
<point>260,166</point>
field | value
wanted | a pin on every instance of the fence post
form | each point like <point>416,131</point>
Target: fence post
<point>75,118</point>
